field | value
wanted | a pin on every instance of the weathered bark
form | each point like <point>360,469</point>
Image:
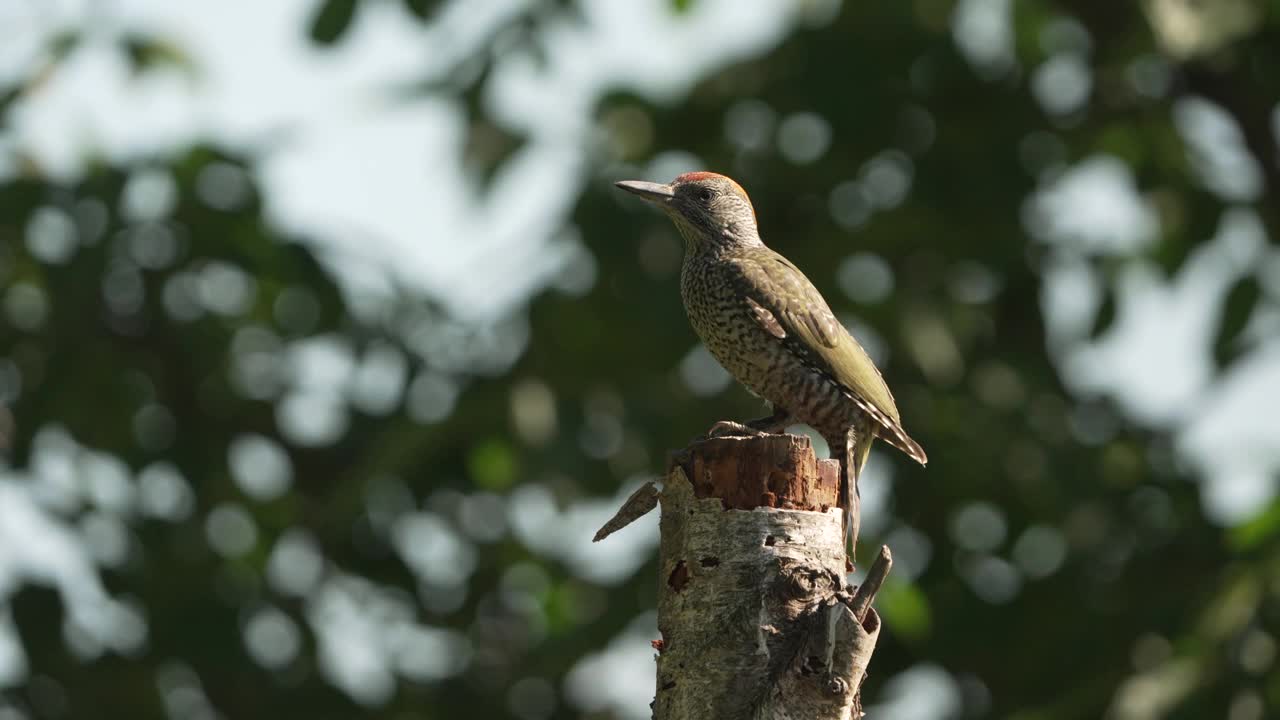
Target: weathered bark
<point>755,616</point>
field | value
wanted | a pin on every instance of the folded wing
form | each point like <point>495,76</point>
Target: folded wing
<point>788,306</point>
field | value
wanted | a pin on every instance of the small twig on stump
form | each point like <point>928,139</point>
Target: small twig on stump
<point>644,499</point>
<point>866,593</point>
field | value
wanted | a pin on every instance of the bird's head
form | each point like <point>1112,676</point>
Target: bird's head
<point>710,210</point>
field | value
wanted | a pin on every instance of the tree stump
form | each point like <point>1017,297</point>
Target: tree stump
<point>755,616</point>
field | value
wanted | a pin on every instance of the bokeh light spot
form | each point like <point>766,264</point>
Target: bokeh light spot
<point>272,638</point>
<point>804,137</point>
<point>230,530</point>
<point>260,466</point>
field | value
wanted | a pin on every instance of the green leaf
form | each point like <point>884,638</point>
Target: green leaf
<point>1236,312</point>
<point>63,43</point>
<point>1123,141</point>
<point>1106,314</point>
<point>492,465</point>
<point>681,6</point>
<point>332,20</point>
<point>906,609</point>
<point>421,9</point>
<point>147,52</point>
<point>1257,531</point>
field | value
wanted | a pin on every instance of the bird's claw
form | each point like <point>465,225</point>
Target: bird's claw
<point>729,428</point>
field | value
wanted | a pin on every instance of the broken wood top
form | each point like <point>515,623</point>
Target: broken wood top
<point>778,471</point>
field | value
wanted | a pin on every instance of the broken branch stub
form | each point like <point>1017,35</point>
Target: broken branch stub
<point>644,499</point>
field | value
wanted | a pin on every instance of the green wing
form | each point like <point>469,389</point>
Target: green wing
<point>783,300</point>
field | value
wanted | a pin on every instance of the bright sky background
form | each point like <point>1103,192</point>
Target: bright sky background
<point>372,176</point>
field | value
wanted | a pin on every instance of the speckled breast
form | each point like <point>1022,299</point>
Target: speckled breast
<point>718,315</point>
<point>713,298</point>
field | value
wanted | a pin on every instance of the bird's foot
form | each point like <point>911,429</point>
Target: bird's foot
<point>729,428</point>
<point>759,427</point>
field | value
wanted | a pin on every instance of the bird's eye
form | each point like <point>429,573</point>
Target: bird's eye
<point>704,195</point>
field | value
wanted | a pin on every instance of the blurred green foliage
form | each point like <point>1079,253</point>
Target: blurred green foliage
<point>133,348</point>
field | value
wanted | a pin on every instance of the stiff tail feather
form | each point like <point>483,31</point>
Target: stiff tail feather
<point>857,446</point>
<point>897,437</point>
<point>890,431</point>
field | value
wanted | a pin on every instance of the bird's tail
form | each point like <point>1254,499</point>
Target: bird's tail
<point>890,430</point>
<point>893,434</point>
<point>857,446</point>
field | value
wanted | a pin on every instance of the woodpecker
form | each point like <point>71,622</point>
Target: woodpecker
<point>771,329</point>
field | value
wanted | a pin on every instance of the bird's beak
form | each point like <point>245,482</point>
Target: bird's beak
<point>656,193</point>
